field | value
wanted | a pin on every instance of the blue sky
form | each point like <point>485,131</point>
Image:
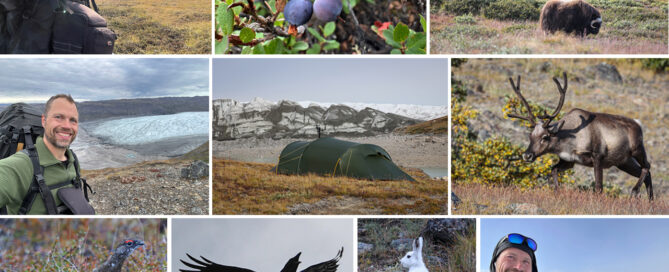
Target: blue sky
<point>619,244</point>
<point>419,81</point>
<point>34,80</point>
<point>263,244</point>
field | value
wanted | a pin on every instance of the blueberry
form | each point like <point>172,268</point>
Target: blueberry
<point>297,12</point>
<point>327,10</point>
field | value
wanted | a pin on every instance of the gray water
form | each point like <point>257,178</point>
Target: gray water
<point>435,172</point>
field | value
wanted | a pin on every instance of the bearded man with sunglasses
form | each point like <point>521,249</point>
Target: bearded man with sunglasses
<point>514,253</point>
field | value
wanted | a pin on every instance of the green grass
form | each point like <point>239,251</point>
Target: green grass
<point>159,27</point>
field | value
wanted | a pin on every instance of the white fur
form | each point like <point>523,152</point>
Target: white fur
<point>570,157</point>
<point>414,259</point>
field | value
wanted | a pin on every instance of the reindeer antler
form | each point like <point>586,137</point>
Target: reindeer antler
<point>530,118</point>
<point>563,91</point>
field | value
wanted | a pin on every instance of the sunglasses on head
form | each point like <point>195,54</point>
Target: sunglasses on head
<point>518,239</point>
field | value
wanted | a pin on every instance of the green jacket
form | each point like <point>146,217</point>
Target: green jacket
<point>16,175</point>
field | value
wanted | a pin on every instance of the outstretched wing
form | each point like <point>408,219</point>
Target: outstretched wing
<point>327,266</point>
<point>209,266</point>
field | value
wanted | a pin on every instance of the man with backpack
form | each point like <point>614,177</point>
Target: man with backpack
<point>44,178</point>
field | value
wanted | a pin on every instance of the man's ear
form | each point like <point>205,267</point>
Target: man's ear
<point>43,120</point>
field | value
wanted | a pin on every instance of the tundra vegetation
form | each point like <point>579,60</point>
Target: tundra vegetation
<point>458,255</point>
<point>362,27</point>
<point>252,188</point>
<point>159,27</point>
<point>487,172</point>
<point>512,27</point>
<point>58,244</point>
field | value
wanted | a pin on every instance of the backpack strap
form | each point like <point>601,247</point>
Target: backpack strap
<point>38,184</point>
<point>95,6</point>
<point>81,182</point>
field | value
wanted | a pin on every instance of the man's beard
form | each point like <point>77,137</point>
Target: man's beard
<point>51,137</point>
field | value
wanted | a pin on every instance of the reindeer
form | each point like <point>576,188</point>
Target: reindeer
<point>593,139</point>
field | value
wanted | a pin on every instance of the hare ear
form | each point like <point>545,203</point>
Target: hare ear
<point>420,243</point>
<point>414,244</point>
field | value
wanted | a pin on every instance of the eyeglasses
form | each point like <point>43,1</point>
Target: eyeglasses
<point>518,239</point>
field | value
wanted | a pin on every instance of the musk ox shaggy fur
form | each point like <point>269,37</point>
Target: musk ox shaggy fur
<point>571,16</point>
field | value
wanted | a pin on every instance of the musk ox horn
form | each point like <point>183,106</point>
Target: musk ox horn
<point>598,20</point>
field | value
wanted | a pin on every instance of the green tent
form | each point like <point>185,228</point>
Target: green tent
<point>332,157</point>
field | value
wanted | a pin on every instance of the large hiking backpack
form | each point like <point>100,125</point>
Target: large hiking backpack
<point>20,125</point>
<point>53,26</point>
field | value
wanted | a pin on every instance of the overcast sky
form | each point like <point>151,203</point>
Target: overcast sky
<point>418,81</point>
<point>34,80</point>
<point>612,245</point>
<point>263,245</point>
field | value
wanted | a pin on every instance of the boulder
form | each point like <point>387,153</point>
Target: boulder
<point>195,170</point>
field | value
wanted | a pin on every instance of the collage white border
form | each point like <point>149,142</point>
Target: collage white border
<point>354,218</point>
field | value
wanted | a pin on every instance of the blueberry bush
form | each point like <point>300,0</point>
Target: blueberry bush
<point>320,27</point>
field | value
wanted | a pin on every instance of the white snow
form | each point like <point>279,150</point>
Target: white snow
<point>148,129</point>
<point>420,112</point>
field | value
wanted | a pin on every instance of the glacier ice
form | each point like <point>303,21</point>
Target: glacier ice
<point>149,129</point>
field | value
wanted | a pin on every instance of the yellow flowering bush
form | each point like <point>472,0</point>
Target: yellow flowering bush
<point>495,161</point>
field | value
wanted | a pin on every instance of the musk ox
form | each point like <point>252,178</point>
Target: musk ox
<point>570,16</point>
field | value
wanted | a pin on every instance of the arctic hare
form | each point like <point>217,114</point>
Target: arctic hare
<point>414,259</point>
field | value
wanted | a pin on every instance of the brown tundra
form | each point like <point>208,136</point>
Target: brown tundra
<point>593,139</point>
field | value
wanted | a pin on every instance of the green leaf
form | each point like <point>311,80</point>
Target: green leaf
<point>416,50</point>
<point>315,49</point>
<point>247,50</point>
<point>330,45</point>
<point>329,29</point>
<point>279,20</point>
<point>315,33</point>
<point>221,46</point>
<point>346,2</point>
<point>247,35</point>
<point>275,46</point>
<point>401,32</point>
<point>258,49</point>
<point>422,23</point>
<point>225,19</point>
<point>395,51</point>
<point>299,46</point>
<point>418,40</point>
<point>388,35</point>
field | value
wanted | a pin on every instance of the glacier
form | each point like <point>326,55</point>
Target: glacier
<point>420,112</point>
<point>150,129</point>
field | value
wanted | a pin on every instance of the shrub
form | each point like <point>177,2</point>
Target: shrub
<point>657,65</point>
<point>494,161</point>
<point>466,19</point>
<point>513,10</point>
<point>461,7</point>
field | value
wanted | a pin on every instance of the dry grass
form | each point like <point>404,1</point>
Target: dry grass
<point>58,244</point>
<point>159,27</point>
<point>566,201</point>
<point>251,188</point>
<point>435,126</point>
<point>487,36</point>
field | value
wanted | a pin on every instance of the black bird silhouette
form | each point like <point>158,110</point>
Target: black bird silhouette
<point>205,265</point>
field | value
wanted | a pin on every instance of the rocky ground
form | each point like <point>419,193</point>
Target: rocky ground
<point>417,151</point>
<point>148,188</point>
